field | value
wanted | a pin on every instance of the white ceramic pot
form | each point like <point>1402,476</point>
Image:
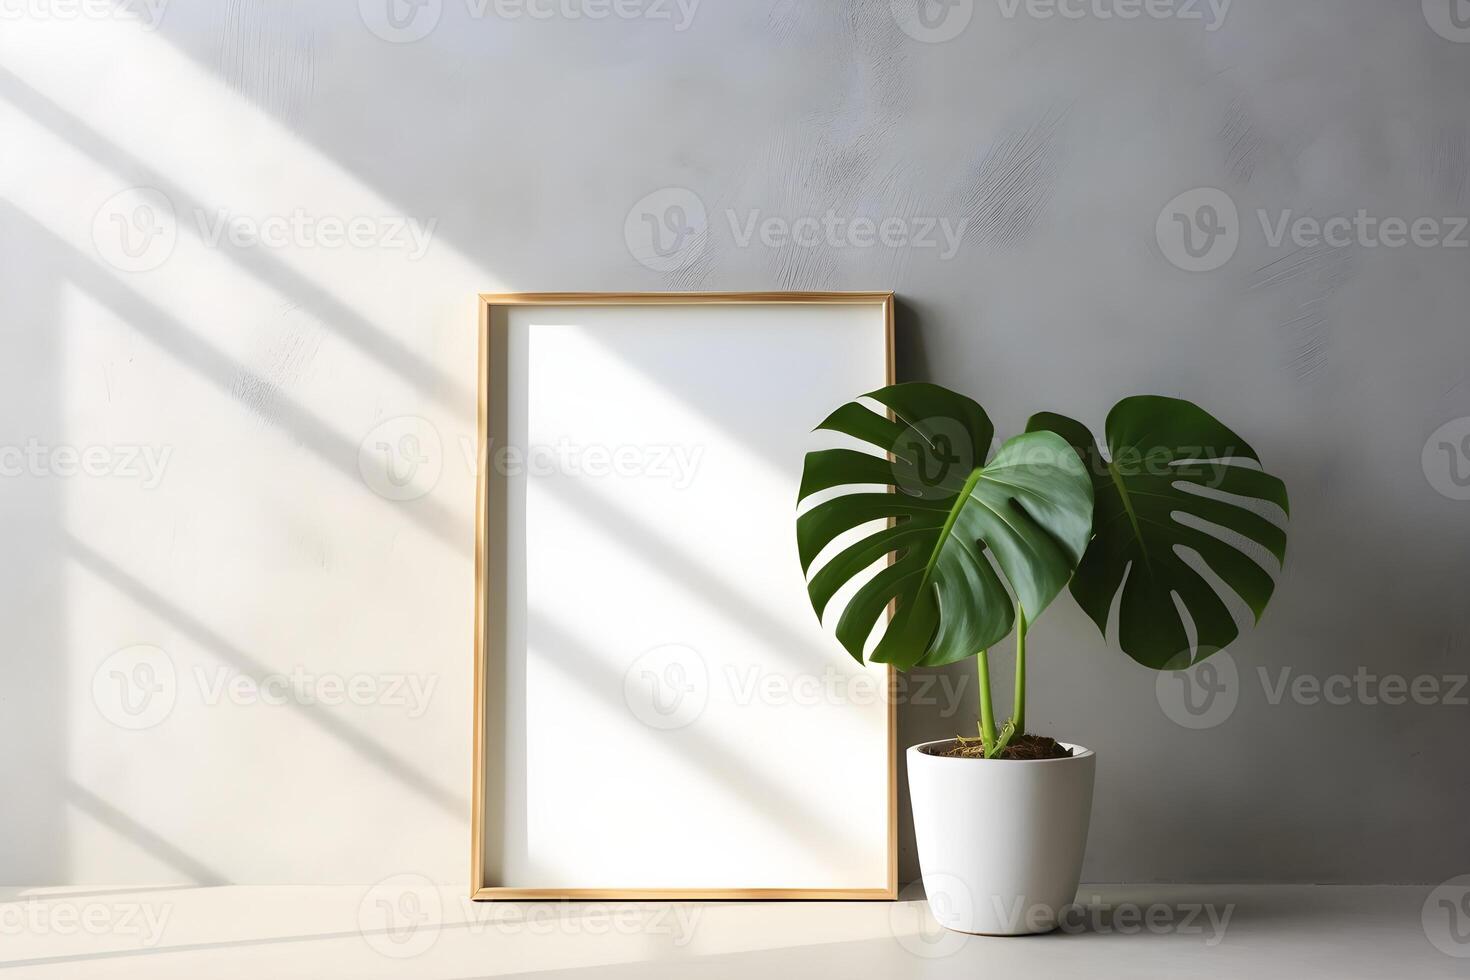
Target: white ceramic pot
<point>1000,840</point>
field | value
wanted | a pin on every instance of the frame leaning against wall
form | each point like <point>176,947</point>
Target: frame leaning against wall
<point>490,547</point>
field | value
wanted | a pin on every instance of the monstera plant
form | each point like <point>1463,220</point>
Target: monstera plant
<point>956,523</point>
<point>958,547</point>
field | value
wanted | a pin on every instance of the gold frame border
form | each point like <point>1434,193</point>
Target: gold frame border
<point>479,890</point>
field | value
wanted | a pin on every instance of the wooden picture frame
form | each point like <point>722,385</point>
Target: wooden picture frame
<point>494,580</point>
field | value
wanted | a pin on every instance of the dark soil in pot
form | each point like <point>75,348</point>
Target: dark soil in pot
<point>1020,747</point>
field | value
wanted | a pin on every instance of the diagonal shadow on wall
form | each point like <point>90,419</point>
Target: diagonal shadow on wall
<point>405,771</point>
<point>384,348</point>
<point>216,367</point>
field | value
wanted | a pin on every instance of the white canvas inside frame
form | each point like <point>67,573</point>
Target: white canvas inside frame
<point>662,708</point>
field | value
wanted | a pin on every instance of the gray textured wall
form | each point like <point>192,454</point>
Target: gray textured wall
<point>1055,142</point>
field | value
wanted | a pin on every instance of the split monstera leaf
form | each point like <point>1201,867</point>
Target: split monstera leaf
<point>1168,484</point>
<point>977,545</point>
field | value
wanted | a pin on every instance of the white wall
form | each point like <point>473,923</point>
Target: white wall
<point>261,377</point>
<point>265,372</point>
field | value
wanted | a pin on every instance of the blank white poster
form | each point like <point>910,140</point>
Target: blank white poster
<point>664,711</point>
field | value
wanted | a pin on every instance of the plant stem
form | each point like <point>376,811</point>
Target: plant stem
<point>987,713</point>
<point>1018,714</point>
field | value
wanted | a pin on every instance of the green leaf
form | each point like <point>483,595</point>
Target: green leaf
<point>1001,740</point>
<point>1162,451</point>
<point>951,520</point>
